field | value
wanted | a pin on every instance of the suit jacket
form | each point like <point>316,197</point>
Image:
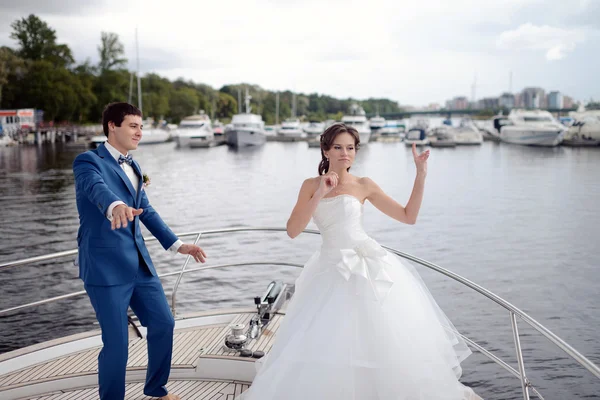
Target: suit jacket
<point>112,257</point>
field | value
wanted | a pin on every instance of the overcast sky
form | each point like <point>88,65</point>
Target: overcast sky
<point>414,52</point>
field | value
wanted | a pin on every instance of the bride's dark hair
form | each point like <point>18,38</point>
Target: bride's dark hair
<point>327,139</point>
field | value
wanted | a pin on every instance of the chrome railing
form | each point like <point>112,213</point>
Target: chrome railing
<point>514,312</point>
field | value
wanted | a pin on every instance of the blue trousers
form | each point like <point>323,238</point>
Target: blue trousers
<point>147,299</point>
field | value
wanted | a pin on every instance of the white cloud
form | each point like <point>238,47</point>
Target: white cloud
<point>413,52</point>
<point>583,4</point>
<point>556,42</point>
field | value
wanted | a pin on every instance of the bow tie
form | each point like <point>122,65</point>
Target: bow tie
<point>127,159</point>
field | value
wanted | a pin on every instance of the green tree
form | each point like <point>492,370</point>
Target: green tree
<point>593,105</point>
<point>183,102</point>
<point>336,116</point>
<point>485,113</point>
<point>10,63</point>
<point>37,41</point>
<point>111,52</point>
<point>155,95</point>
<point>57,91</point>
<point>85,74</point>
<point>207,96</point>
<point>60,55</point>
<point>226,106</point>
<point>109,86</point>
<point>302,105</point>
<point>155,105</point>
<point>269,109</point>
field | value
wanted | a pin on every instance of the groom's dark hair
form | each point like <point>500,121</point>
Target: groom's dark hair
<point>116,113</point>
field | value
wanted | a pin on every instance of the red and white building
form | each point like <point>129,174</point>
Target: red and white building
<point>14,120</point>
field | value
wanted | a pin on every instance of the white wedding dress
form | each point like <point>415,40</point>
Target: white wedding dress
<point>361,325</point>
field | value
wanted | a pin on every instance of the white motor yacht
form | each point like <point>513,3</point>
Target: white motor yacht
<point>291,128</point>
<point>584,130</point>
<point>195,131</point>
<point>531,127</point>
<point>467,134</point>
<point>417,136</point>
<point>246,129</point>
<point>357,118</point>
<point>314,129</point>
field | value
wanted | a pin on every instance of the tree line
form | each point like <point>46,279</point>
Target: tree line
<point>42,73</point>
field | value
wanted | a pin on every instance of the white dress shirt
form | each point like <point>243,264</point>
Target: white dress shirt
<point>135,181</point>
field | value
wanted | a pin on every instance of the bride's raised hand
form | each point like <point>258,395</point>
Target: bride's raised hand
<point>420,160</point>
<point>327,183</point>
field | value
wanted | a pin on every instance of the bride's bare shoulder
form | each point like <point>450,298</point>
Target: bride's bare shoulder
<point>312,182</point>
<point>365,181</point>
<point>310,185</point>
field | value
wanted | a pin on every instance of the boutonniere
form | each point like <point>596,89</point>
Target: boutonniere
<point>146,181</point>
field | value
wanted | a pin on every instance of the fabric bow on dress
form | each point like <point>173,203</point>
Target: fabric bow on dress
<point>366,262</point>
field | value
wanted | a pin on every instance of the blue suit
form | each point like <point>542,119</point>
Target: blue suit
<point>117,271</point>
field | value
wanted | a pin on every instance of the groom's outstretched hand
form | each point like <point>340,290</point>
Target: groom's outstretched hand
<point>194,251</point>
<point>121,214</point>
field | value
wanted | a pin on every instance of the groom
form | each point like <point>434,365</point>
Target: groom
<point>114,263</point>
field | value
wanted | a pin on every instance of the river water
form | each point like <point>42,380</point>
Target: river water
<point>522,222</point>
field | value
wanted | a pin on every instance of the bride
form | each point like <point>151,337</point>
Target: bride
<point>361,325</point>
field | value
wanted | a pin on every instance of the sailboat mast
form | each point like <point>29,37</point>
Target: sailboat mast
<point>277,108</point>
<point>130,86</point>
<point>139,80</point>
<point>248,97</point>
